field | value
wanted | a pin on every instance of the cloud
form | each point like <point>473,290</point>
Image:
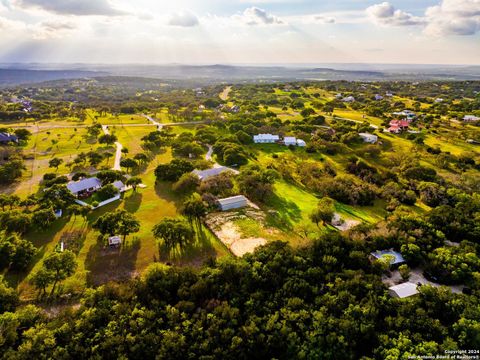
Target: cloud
<point>449,17</point>
<point>52,29</point>
<point>255,16</point>
<point>453,17</point>
<point>183,19</point>
<point>7,25</point>
<point>386,14</point>
<point>325,19</point>
<point>72,7</point>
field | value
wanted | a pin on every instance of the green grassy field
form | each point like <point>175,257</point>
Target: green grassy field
<point>97,264</point>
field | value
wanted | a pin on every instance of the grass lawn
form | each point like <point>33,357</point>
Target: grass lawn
<point>357,116</point>
<point>130,137</point>
<point>97,264</point>
<point>44,146</point>
<point>107,119</point>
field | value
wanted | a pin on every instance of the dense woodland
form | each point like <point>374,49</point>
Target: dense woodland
<point>323,300</point>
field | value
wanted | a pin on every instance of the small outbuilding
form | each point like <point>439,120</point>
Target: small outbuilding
<point>114,241</point>
<point>301,143</point>
<point>403,290</point>
<point>369,138</point>
<point>234,202</point>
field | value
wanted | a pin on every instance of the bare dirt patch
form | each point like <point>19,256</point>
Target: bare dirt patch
<point>223,226</point>
<point>343,224</point>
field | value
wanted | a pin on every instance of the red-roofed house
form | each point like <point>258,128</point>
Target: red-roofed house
<point>396,126</point>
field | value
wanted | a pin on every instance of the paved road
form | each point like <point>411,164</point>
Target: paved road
<point>37,128</point>
<point>153,121</point>
<point>118,152</point>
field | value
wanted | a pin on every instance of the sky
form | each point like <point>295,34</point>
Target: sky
<point>240,31</point>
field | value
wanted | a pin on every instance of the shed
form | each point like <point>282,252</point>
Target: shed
<point>234,202</point>
<point>114,241</point>
<point>403,290</point>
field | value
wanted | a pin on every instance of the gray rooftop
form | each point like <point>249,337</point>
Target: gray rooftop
<point>119,185</point>
<point>232,200</point>
<point>83,184</point>
<point>4,137</point>
<point>404,290</point>
<point>205,174</point>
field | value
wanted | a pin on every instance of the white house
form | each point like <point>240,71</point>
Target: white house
<point>234,202</point>
<point>469,118</point>
<point>265,139</point>
<point>348,99</point>
<point>290,140</point>
<point>369,138</point>
<point>87,185</point>
<point>378,97</point>
<point>408,114</point>
<point>403,290</point>
<point>438,100</point>
<point>301,143</point>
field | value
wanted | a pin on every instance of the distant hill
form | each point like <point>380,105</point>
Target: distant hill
<point>9,77</point>
<point>21,74</point>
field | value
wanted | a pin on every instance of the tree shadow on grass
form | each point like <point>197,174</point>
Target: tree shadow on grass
<point>287,212</point>
<point>132,203</point>
<point>40,239</point>
<point>163,190</point>
<point>95,214</point>
<point>105,264</point>
<point>194,254</point>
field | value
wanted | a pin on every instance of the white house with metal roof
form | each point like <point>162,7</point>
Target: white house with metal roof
<point>85,185</point>
<point>234,202</point>
<point>265,139</point>
<point>403,290</point>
